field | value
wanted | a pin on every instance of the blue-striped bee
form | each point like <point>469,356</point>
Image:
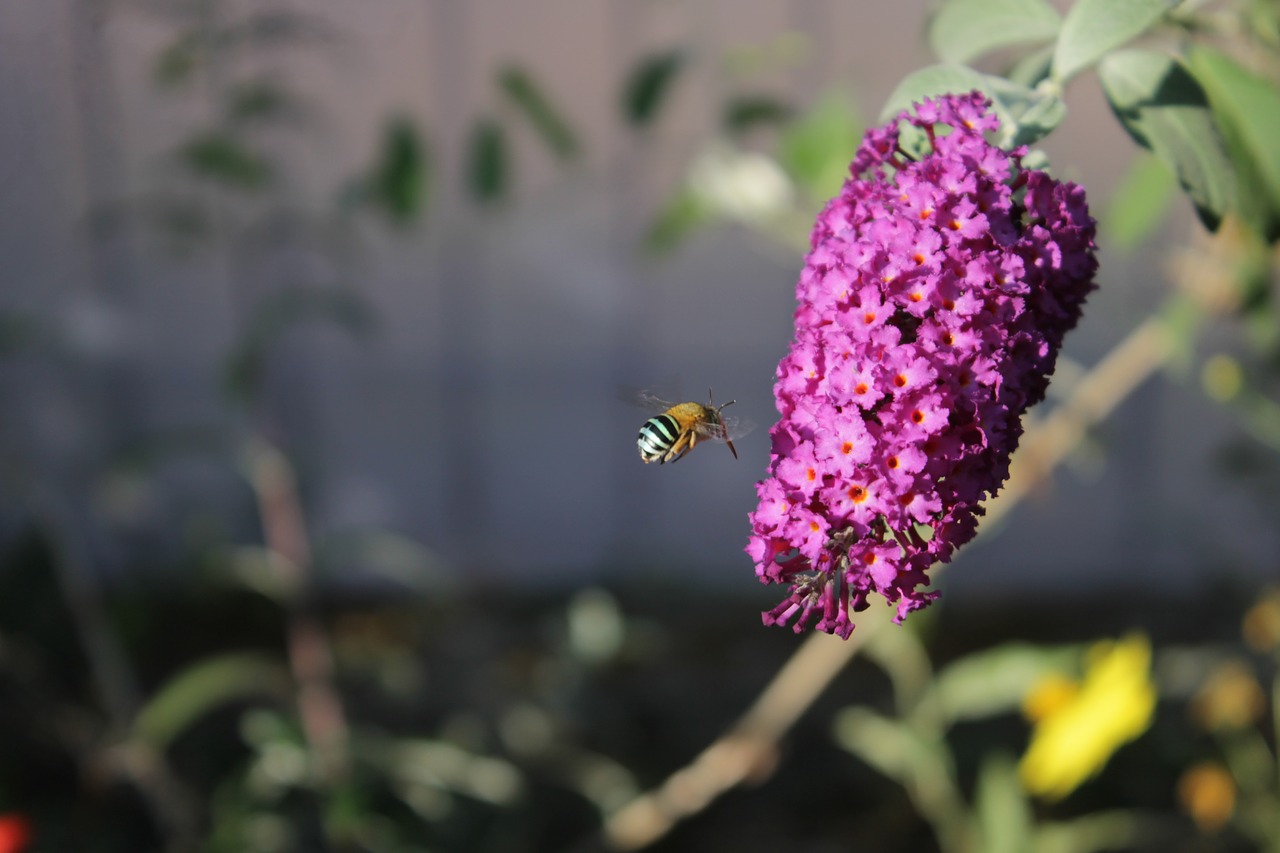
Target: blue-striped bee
<point>668,436</point>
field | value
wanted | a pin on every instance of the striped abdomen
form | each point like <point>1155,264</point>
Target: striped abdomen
<point>657,437</point>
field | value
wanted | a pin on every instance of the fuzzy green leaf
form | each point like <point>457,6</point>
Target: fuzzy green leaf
<point>648,86</point>
<point>1093,28</point>
<point>1140,203</point>
<point>1165,110</point>
<point>227,161</point>
<point>488,164</point>
<point>204,686</point>
<point>535,106</point>
<point>399,183</point>
<point>1247,109</point>
<point>963,30</point>
<point>816,148</point>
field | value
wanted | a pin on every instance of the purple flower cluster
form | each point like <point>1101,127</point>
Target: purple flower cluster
<point>931,309</point>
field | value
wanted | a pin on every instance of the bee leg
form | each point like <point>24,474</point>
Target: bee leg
<point>679,449</point>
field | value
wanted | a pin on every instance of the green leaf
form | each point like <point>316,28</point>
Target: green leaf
<point>648,85</point>
<point>535,106</point>
<point>1026,115</point>
<point>488,163</point>
<point>1140,203</point>
<point>1033,68</point>
<point>1093,28</point>
<point>747,112</point>
<point>204,686</point>
<point>993,682</point>
<point>816,149</point>
<point>1004,815</point>
<point>887,745</point>
<point>683,214</point>
<point>257,101</point>
<point>1247,108</point>
<point>224,159</point>
<point>399,182</point>
<point>962,30</point>
<point>1165,110</point>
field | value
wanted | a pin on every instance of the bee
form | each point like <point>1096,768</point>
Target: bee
<point>668,436</point>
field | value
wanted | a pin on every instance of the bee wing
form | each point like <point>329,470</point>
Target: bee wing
<point>645,399</point>
<point>729,429</point>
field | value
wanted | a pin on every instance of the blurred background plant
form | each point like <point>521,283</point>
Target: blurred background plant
<point>188,660</point>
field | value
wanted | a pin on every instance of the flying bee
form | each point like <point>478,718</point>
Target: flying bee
<point>667,436</point>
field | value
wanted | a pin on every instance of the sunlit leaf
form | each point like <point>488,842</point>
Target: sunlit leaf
<point>816,148</point>
<point>1165,110</point>
<point>488,162</point>
<point>205,686</point>
<point>400,180</point>
<point>962,30</point>
<point>648,86</point>
<point>1140,203</point>
<point>535,106</point>
<point>748,112</point>
<point>993,682</point>
<point>1247,109</point>
<point>1095,27</point>
<point>227,161</point>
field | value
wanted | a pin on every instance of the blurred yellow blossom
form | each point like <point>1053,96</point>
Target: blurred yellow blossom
<point>1113,706</point>
<point>1207,793</point>
<point>1262,623</point>
<point>1230,698</point>
<point>1048,696</point>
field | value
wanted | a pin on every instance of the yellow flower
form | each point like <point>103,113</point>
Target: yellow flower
<point>1207,793</point>
<point>1113,706</point>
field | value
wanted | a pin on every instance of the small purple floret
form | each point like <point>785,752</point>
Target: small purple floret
<point>931,309</point>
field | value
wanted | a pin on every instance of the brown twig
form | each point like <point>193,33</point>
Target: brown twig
<point>310,657</point>
<point>748,749</point>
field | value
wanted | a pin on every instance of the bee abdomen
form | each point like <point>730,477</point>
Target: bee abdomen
<point>657,436</point>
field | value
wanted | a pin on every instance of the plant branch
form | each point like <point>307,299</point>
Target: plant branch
<point>748,749</point>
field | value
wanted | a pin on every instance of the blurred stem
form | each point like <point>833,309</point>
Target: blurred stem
<point>167,799</point>
<point>749,748</point>
<point>310,656</point>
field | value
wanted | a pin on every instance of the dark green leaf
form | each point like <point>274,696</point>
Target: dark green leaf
<point>203,687</point>
<point>1247,109</point>
<point>226,160</point>
<point>536,107</point>
<point>488,162</point>
<point>399,182</point>
<point>962,30</point>
<point>816,148</point>
<point>177,62</point>
<point>648,85</point>
<point>1140,203</point>
<point>1095,27</point>
<point>1165,110</point>
<point>747,112</point>
<point>259,101</point>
